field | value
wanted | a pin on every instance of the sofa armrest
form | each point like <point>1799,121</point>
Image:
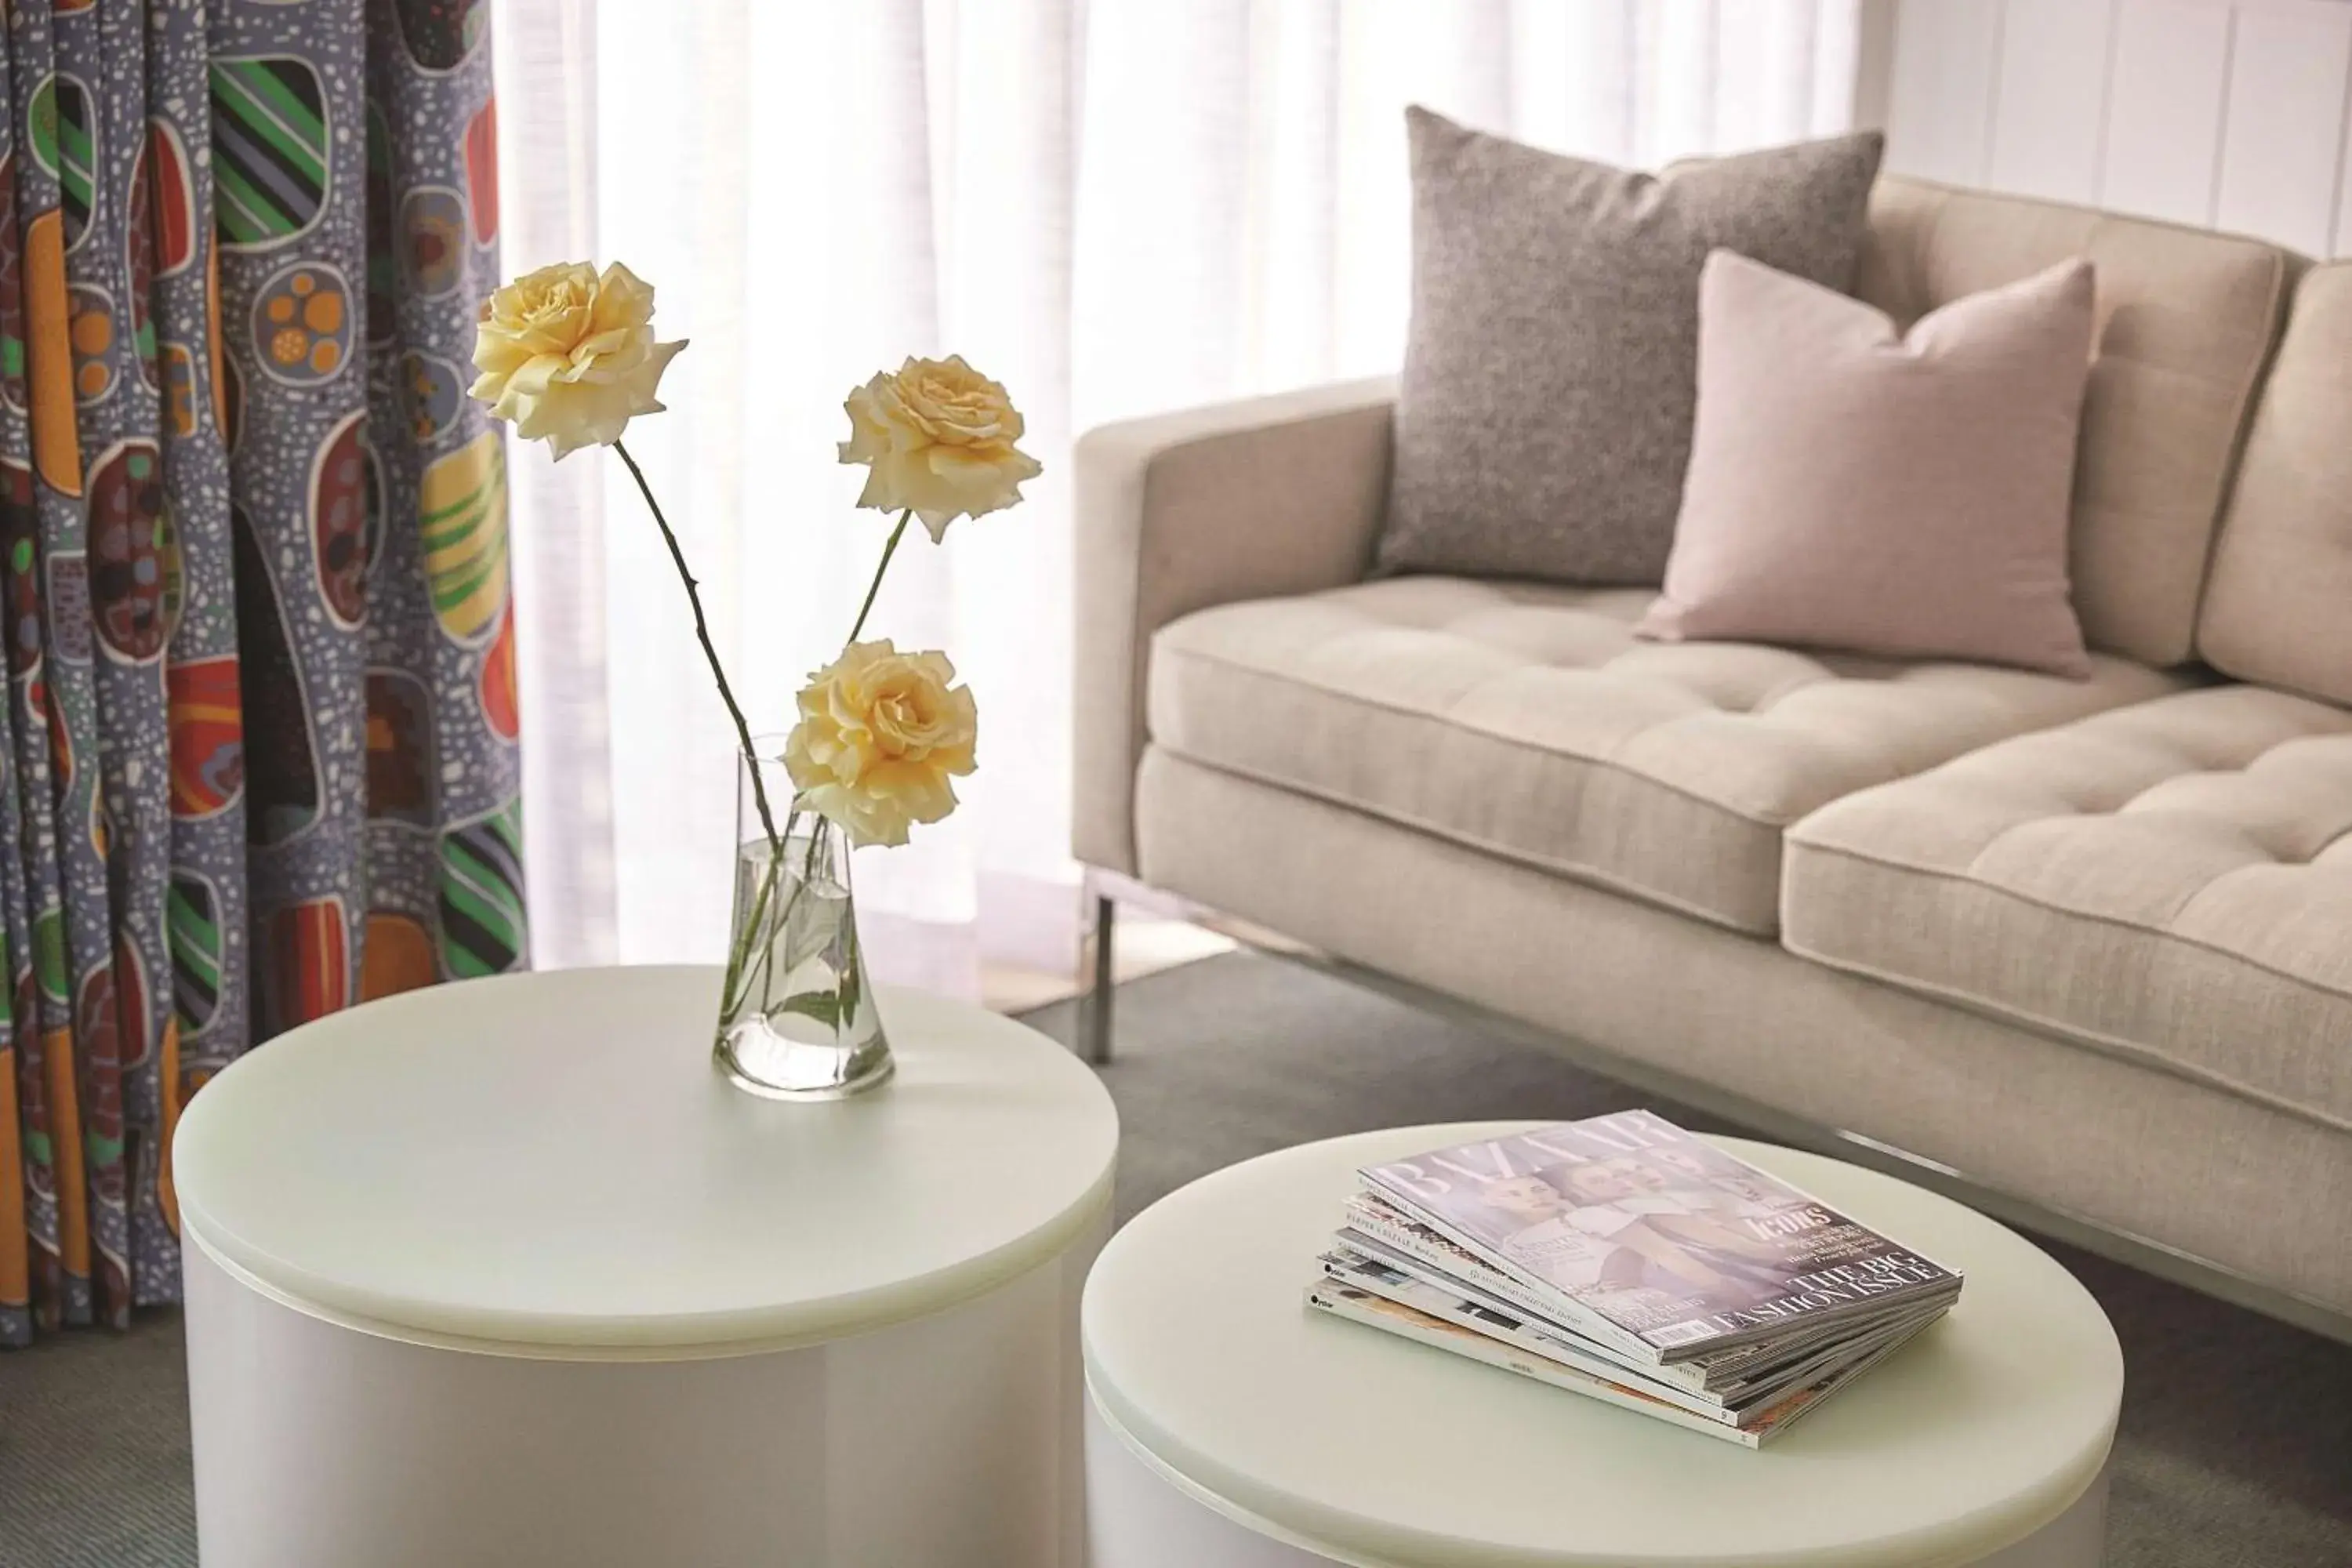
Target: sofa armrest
<point>1238,500</point>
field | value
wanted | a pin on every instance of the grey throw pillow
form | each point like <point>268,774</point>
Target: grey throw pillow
<point>1544,419</point>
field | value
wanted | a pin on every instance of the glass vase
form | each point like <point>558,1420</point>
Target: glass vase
<point>796,1016</point>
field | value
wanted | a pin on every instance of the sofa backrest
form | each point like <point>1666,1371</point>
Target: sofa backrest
<point>2278,609</point>
<point>2187,319</point>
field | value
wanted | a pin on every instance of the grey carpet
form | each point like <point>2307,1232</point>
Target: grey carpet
<point>94,1450</point>
<point>2236,1444</point>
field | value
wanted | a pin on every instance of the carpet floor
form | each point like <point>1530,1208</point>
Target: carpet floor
<point>2235,1449</point>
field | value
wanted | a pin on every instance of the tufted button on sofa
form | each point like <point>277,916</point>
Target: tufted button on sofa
<point>2085,945</point>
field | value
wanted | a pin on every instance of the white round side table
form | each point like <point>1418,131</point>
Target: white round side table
<point>505,1272</point>
<point>1227,1425</point>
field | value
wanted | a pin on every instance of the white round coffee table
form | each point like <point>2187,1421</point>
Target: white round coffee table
<point>505,1272</point>
<point>1228,1426</point>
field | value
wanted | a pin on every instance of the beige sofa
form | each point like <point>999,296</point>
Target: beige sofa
<point>2081,950</point>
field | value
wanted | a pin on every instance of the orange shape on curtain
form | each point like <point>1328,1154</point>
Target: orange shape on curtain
<point>64,1148</point>
<point>500,710</point>
<point>399,956</point>
<point>57,448</point>
<point>167,1196</point>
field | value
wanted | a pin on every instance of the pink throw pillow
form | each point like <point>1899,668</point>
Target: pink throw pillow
<point>1853,486</point>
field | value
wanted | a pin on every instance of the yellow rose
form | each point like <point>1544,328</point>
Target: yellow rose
<point>568,357</point>
<point>936,437</point>
<point>880,733</point>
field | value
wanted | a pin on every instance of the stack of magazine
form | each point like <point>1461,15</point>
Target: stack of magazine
<point>1623,1258</point>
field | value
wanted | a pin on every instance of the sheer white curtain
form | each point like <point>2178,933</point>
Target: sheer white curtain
<point>1114,207</point>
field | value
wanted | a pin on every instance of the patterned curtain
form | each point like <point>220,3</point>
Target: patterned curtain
<point>260,752</point>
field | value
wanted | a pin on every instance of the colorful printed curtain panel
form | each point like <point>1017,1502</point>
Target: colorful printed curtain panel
<point>260,760</point>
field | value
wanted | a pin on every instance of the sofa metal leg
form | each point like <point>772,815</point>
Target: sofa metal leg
<point>1095,1006</point>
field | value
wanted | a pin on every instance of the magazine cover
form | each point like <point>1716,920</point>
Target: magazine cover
<point>1668,1241</point>
<point>1377,1312</point>
<point>1383,1231</point>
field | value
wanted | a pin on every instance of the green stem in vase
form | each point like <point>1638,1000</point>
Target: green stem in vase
<point>744,971</point>
<point>741,971</point>
<point>754,948</point>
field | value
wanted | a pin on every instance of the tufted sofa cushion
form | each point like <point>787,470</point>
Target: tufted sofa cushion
<point>2172,880</point>
<point>1527,720</point>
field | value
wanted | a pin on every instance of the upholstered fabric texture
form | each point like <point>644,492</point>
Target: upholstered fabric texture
<point>1853,486</point>
<point>2127,1143</point>
<point>2186,320</point>
<point>1528,720</point>
<point>2173,878</point>
<point>1274,495</point>
<point>1544,418</point>
<point>2278,608</point>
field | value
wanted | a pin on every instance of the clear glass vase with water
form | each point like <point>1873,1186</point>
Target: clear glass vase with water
<point>797,1019</point>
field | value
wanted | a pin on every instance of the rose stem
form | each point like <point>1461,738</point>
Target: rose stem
<point>816,834</point>
<point>887,551</point>
<point>702,634</point>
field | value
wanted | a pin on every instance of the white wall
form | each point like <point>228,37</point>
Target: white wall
<point>2228,114</point>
